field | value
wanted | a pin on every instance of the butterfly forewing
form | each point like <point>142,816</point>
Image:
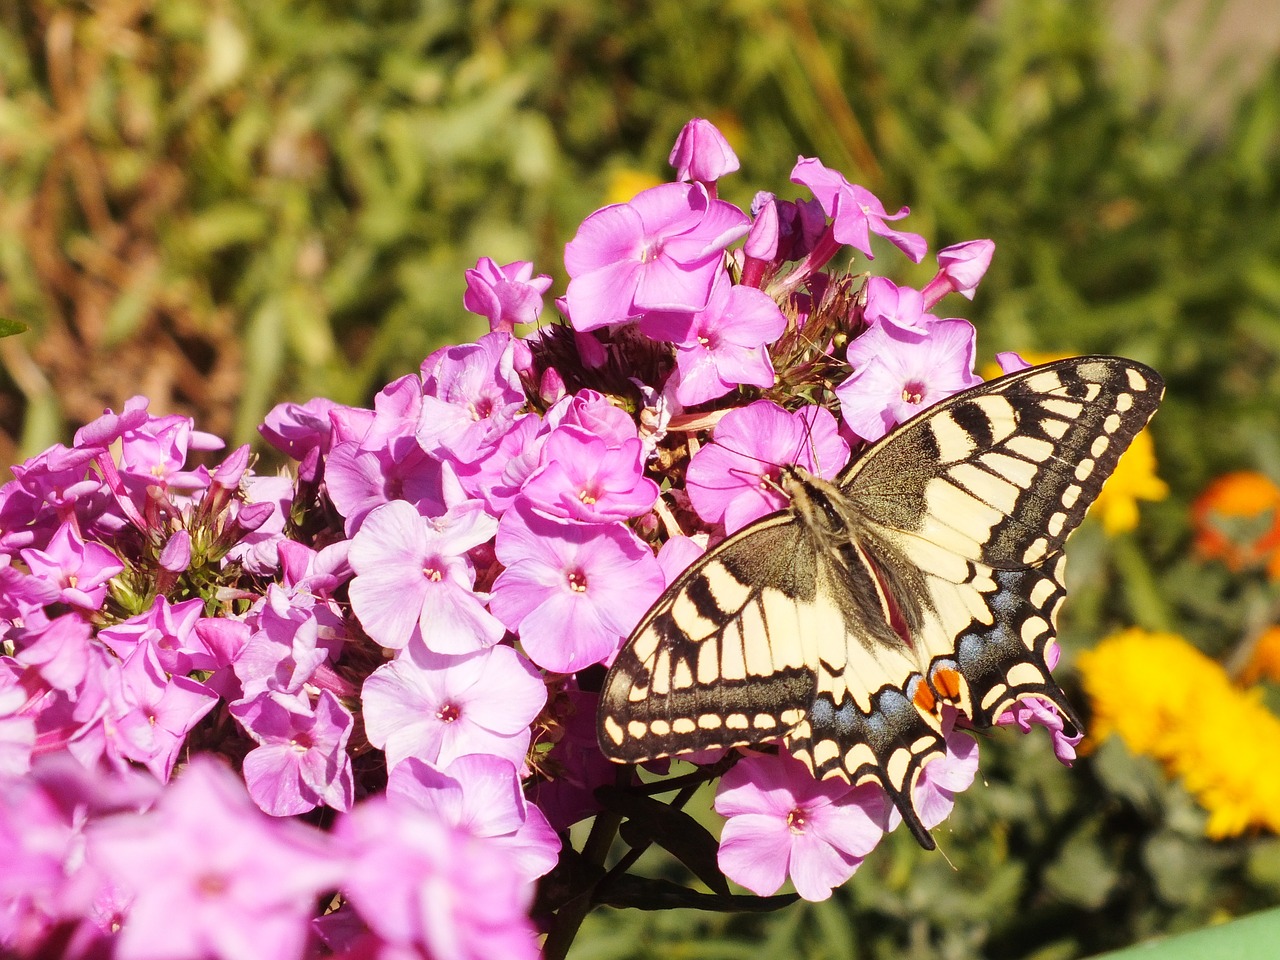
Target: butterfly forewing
<point>930,575</point>
<point>1003,472</point>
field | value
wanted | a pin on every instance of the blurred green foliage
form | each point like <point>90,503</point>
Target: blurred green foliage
<point>223,204</point>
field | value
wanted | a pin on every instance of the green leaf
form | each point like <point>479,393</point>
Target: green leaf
<point>10,327</point>
<point>651,821</point>
<point>1254,936</point>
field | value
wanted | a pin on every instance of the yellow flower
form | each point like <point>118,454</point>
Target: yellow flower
<point>624,184</point>
<point>1134,478</point>
<point>1167,700</point>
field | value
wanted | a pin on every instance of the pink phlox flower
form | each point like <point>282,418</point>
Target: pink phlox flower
<point>294,633</point>
<point>960,268</point>
<point>144,714</point>
<point>781,822</point>
<point>505,295</point>
<point>583,478</point>
<point>498,477</point>
<point>702,153</point>
<point>573,591</point>
<point>899,307</point>
<point>581,767</point>
<point>44,489</point>
<point>175,556</point>
<point>763,239</point>
<point>735,479</point>
<point>17,721</point>
<point>211,875</point>
<point>257,549</point>
<point>23,598</point>
<point>397,411</point>
<point>801,225</point>
<point>1011,362</point>
<point>111,426</point>
<point>438,707</point>
<point>429,889</point>
<point>722,346</point>
<point>896,374</point>
<point>941,779</point>
<point>661,251</point>
<point>315,571</point>
<point>81,570</point>
<point>155,452</point>
<point>359,480</point>
<point>482,795</point>
<point>223,639</point>
<point>593,412</point>
<point>413,578</point>
<point>678,553</point>
<point>349,423</point>
<point>301,760</point>
<point>300,430</point>
<point>855,211</point>
<point>1034,711</point>
<point>471,395</point>
<point>169,629</point>
<point>58,651</point>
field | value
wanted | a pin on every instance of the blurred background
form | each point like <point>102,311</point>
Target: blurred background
<point>224,204</point>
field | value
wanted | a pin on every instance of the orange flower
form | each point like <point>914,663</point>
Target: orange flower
<point>1264,661</point>
<point>1237,520</point>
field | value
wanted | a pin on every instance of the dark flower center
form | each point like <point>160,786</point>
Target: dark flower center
<point>448,713</point>
<point>577,581</point>
<point>913,391</point>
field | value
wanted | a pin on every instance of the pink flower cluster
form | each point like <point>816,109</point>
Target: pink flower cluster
<point>203,666</point>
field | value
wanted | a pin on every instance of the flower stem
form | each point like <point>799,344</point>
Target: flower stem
<point>571,914</point>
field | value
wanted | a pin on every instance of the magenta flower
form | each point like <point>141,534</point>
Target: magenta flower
<point>594,413</point>
<point>661,251</point>
<point>896,374</point>
<point>212,876</point>
<point>296,632</point>
<point>497,478</point>
<point>961,267</point>
<point>301,759</point>
<point>481,795</point>
<point>781,822</point>
<point>360,479</point>
<point>723,345</point>
<point>413,578</point>
<point>583,478</point>
<point>438,708</point>
<point>471,395</point>
<point>430,889</point>
<point>900,307</point>
<point>735,479</point>
<point>1011,362</point>
<point>169,629</point>
<point>58,650</point>
<point>940,780</point>
<point>572,590</point>
<point>145,714</point>
<point>702,153</point>
<point>505,295</point>
<point>854,210</point>
<point>1034,711</point>
<point>81,570</point>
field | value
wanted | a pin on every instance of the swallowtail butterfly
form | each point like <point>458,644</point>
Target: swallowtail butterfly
<point>929,573</point>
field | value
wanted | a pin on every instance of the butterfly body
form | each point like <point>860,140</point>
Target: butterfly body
<point>926,577</point>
